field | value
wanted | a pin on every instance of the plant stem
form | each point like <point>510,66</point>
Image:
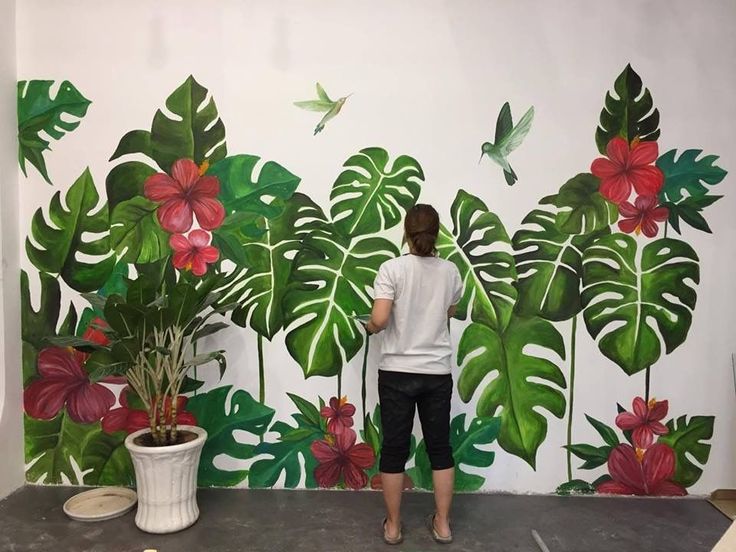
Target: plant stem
<point>571,396</point>
<point>365,372</point>
<point>339,384</point>
<point>646,385</point>
<point>666,227</point>
<point>261,372</point>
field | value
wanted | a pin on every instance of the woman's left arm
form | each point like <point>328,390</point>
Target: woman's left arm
<point>379,316</point>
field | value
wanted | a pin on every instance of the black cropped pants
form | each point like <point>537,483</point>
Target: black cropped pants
<point>399,393</point>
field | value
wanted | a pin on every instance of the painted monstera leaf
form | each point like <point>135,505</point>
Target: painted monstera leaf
<point>195,132</point>
<point>60,242</point>
<point>39,112</point>
<point>259,286</point>
<point>629,113</point>
<point>370,195</point>
<point>106,460</point>
<point>52,447</point>
<point>582,209</point>
<point>686,437</point>
<point>220,417</point>
<point>634,303</point>
<point>480,248</point>
<point>550,265</point>
<point>523,384</point>
<point>329,284</point>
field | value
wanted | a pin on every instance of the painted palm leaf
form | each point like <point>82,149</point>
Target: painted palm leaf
<point>480,248</point>
<point>632,305</point>
<point>329,283</point>
<point>370,195</point>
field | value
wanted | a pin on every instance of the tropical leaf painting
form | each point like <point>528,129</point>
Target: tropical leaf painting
<point>39,112</point>
<point>481,249</point>
<point>632,305</point>
<point>52,447</point>
<point>687,438</point>
<point>582,209</point>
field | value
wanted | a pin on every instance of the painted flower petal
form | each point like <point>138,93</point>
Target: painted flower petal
<point>627,210</point>
<point>645,203</point>
<point>322,451</point>
<point>137,419</point>
<point>347,409</point>
<point>175,216</point>
<point>658,428</point>
<point>640,408</point>
<point>649,227</point>
<point>354,477</point>
<point>210,212</point>
<point>644,153</point>
<point>209,254</point>
<point>58,363</point>
<point>618,151</point>
<point>199,238</point>
<point>182,260</point>
<point>335,426</point>
<point>660,214</point>
<point>185,172</point>
<point>628,225</point>
<point>658,464</point>
<point>642,437</point>
<point>362,456</point>
<point>327,412</point>
<point>328,474</point>
<point>206,186</point>
<point>647,181</point>
<point>625,468</point>
<point>668,488</point>
<point>627,421</point>
<point>345,440</point>
<point>115,420</point>
<point>161,187</point>
<point>94,334</point>
<point>186,418</point>
<point>659,411</point>
<point>614,487</point>
<point>179,242</point>
<point>89,403</point>
<point>44,398</point>
<point>199,266</point>
<point>334,403</point>
<point>616,189</point>
<point>605,168</point>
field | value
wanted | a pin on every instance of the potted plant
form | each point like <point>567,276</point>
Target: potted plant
<point>153,335</point>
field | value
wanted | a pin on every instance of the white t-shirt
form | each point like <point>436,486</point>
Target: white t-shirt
<point>417,338</point>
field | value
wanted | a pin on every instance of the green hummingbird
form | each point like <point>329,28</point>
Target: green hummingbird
<point>323,104</point>
<point>508,138</point>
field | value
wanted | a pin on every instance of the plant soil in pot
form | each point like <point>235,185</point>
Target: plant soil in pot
<point>166,478</point>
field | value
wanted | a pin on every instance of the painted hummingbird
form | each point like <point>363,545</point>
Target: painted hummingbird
<point>508,138</point>
<point>323,104</point>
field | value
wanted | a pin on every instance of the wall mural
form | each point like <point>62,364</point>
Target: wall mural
<point>599,251</point>
<point>323,104</point>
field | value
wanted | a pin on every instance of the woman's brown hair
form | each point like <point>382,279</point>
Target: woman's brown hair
<point>421,225</point>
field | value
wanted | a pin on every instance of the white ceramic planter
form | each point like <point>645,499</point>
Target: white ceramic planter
<point>166,479</point>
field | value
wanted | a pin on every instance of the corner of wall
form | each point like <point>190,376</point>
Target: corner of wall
<point>11,390</point>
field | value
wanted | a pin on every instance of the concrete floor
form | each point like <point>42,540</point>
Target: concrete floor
<point>294,521</point>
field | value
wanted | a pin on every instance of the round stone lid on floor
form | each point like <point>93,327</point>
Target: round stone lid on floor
<point>100,504</point>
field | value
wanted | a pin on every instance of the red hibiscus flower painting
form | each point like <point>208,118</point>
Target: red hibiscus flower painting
<point>339,414</point>
<point>64,382</point>
<point>183,195</point>
<point>643,473</point>
<point>131,420</point>
<point>627,167</point>
<point>193,252</point>
<point>645,421</point>
<point>340,457</point>
<point>642,216</point>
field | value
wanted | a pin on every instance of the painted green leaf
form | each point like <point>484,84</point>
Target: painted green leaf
<point>61,241</point>
<point>288,453</point>
<point>125,181</point>
<point>606,432</point>
<point>523,384</point>
<point>264,263</point>
<point>480,248</point>
<point>49,447</point>
<point>631,304</point>
<point>686,438</point>
<point>220,419</point>
<point>370,195</point>
<point>594,456</point>
<point>549,264</point>
<point>39,112</point>
<point>135,232</point>
<point>329,283</point>
<point>465,444</point>
<point>37,325</point>
<point>195,132</point>
<point>688,174</point>
<point>108,460</point>
<point>688,210</point>
<point>248,187</point>
<point>630,113</point>
<point>135,141</point>
<point>575,487</point>
<point>582,209</point>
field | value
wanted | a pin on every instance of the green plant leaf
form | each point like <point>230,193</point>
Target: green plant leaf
<point>50,446</point>
<point>508,356</point>
<point>629,114</point>
<point>607,432</point>
<point>195,132</point>
<point>248,187</point>
<point>135,232</point>
<point>108,460</point>
<point>686,438</point>
<point>308,410</point>
<point>480,248</point>
<point>265,263</point>
<point>328,284</point>
<point>39,112</point>
<point>125,181</point>
<point>135,141</point>
<point>370,195</point>
<point>61,241</point>
<point>582,209</point>
<point>220,419</point>
<point>631,304</point>
<point>550,264</point>
<point>594,456</point>
<point>575,487</point>
<point>688,174</point>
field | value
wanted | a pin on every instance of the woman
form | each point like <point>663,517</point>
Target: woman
<point>414,297</point>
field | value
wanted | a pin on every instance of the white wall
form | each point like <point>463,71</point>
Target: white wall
<point>11,453</point>
<point>429,78</point>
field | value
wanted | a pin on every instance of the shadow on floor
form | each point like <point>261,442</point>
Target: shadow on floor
<point>327,521</point>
